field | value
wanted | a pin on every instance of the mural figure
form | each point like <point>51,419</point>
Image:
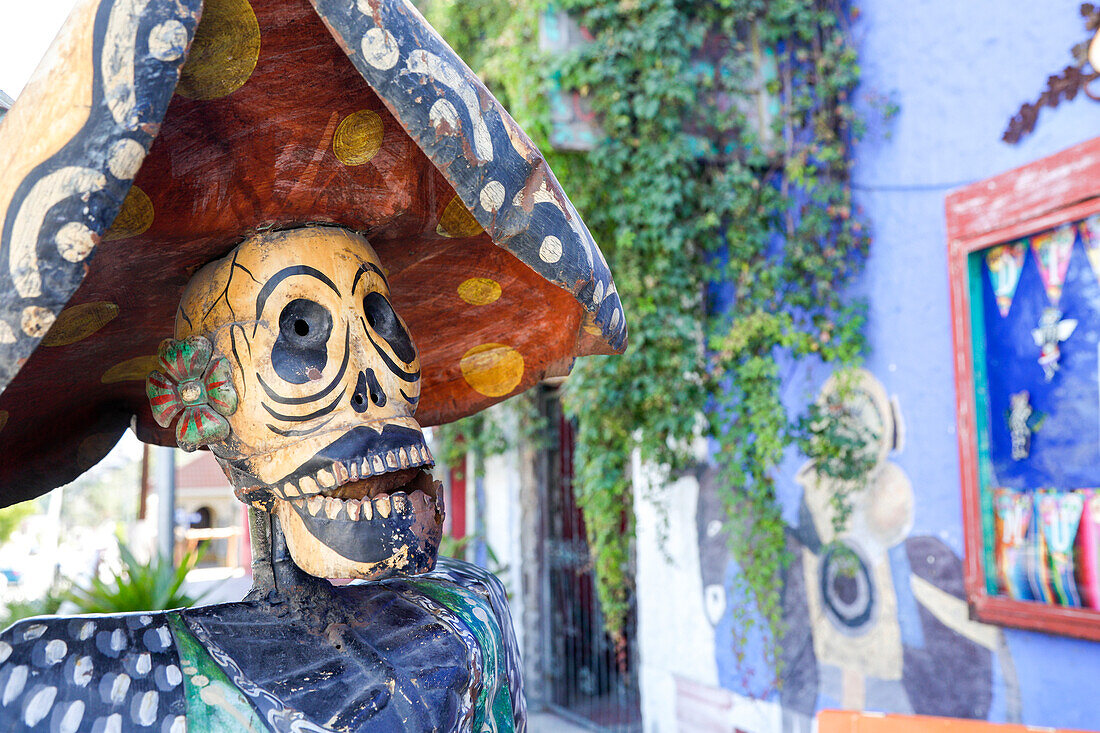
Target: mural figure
<point>291,234</point>
<point>1052,331</point>
<point>1019,424</point>
<point>875,618</point>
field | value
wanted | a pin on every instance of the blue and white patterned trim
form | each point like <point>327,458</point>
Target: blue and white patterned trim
<point>61,208</point>
<point>280,717</point>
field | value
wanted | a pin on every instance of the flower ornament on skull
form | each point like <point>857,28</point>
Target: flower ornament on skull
<point>328,379</point>
<point>195,387</point>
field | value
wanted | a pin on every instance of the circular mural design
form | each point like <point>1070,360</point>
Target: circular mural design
<point>847,588</point>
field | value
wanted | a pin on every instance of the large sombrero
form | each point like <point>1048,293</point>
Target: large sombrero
<point>148,144</point>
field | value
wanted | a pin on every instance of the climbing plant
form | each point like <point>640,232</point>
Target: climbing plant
<point>720,191</point>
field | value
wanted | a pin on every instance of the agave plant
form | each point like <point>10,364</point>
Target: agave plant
<point>138,586</point>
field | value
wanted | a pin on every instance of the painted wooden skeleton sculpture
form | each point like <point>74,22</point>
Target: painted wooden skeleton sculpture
<point>292,234</point>
<point>324,437</point>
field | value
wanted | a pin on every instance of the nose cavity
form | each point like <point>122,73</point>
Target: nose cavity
<point>367,388</point>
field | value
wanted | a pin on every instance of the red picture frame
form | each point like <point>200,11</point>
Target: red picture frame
<point>1061,188</point>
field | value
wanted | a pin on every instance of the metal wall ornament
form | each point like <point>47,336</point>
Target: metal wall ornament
<point>293,234</point>
<point>1065,85</point>
<point>1021,424</point>
<point>1052,331</point>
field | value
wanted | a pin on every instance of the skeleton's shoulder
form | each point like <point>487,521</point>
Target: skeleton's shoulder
<point>74,673</point>
<point>479,599</point>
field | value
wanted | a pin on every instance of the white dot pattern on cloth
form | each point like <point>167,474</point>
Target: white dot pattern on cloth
<point>55,651</point>
<point>71,717</point>
<point>110,674</point>
<point>82,671</point>
<point>39,704</point>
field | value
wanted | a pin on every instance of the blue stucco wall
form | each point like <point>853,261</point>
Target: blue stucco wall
<point>958,70</point>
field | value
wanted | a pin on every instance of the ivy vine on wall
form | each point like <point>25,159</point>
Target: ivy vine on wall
<point>720,192</point>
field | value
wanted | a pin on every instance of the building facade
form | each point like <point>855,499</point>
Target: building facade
<point>899,636</point>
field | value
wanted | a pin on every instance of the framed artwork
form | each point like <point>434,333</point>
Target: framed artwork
<point>1024,269</point>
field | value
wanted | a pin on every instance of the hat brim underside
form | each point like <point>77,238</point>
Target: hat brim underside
<point>271,126</point>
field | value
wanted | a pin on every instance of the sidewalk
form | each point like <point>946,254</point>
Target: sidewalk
<point>544,722</point>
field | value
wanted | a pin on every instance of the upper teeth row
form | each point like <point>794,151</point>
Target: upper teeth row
<point>339,474</point>
<point>355,509</point>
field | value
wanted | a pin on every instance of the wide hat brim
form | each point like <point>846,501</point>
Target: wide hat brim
<point>148,144</point>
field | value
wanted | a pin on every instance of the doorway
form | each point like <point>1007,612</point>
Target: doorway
<point>592,682</point>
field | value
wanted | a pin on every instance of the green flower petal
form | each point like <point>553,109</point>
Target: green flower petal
<point>185,359</point>
<point>200,425</point>
<point>164,399</point>
<point>219,386</point>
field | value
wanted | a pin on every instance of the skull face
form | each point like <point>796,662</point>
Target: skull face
<point>328,380</point>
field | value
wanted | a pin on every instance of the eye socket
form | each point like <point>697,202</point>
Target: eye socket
<point>302,344</point>
<point>304,321</point>
<point>383,321</point>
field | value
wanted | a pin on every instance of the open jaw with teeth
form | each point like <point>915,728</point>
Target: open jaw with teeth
<point>366,516</point>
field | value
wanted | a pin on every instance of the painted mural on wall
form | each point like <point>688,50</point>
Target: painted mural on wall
<point>875,617</point>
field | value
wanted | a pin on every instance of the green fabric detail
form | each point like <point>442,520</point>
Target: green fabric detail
<point>476,613</point>
<point>214,704</point>
<point>503,716</point>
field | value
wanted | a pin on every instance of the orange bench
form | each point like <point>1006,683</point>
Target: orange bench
<point>851,721</point>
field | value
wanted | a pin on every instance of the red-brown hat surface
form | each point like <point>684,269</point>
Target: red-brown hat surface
<point>285,114</point>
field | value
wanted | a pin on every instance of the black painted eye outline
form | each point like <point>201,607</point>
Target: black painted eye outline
<point>379,317</point>
<point>301,346</point>
<point>383,320</point>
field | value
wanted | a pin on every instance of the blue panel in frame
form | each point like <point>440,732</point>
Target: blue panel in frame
<point>1065,447</point>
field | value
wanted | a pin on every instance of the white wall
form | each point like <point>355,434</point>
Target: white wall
<point>674,636</point>
<point>502,526</point>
